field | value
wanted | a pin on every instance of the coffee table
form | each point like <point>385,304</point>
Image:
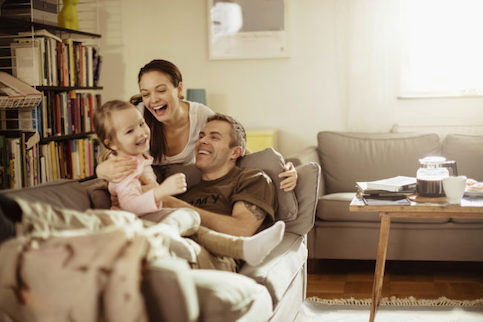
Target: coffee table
<point>467,209</point>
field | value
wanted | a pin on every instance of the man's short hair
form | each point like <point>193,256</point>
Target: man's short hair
<point>238,134</point>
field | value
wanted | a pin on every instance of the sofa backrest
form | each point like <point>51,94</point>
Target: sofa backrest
<point>467,151</point>
<point>350,157</point>
<point>61,193</point>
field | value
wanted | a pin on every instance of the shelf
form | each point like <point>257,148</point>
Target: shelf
<point>65,137</point>
<point>66,88</point>
<point>9,25</point>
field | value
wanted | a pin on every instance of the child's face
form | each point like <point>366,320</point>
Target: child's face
<point>131,133</point>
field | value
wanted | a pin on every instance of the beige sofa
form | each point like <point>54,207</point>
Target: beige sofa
<point>172,291</point>
<point>349,157</point>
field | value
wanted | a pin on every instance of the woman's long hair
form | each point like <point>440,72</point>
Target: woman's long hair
<point>158,145</point>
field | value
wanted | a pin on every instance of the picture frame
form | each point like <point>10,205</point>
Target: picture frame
<point>247,29</point>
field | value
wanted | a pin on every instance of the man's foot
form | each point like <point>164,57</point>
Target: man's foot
<point>257,247</point>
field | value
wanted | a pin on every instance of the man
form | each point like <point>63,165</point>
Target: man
<point>229,199</point>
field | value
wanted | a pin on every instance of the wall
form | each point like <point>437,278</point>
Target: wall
<point>341,75</point>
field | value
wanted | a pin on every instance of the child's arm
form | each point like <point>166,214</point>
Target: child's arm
<point>147,182</point>
<point>173,185</point>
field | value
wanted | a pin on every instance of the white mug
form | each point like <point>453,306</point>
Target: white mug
<point>454,188</point>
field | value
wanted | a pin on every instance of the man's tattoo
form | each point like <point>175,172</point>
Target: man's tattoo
<point>257,211</point>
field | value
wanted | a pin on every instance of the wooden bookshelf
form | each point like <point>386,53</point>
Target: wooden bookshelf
<point>10,25</point>
<point>65,70</point>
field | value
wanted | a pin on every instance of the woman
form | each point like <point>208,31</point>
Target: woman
<point>175,123</point>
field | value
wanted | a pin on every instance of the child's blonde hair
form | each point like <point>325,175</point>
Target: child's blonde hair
<point>103,125</point>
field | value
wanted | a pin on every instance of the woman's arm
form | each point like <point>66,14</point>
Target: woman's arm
<point>115,169</point>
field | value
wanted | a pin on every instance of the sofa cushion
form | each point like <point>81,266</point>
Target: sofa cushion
<point>280,267</point>
<point>467,151</point>
<point>335,207</point>
<point>350,157</point>
<point>225,296</point>
<point>181,302</point>
<point>272,163</point>
<point>61,193</point>
<point>307,191</point>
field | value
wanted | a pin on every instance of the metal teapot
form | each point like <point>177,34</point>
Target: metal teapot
<point>430,175</point>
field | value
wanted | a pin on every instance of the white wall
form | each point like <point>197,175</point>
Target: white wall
<point>341,75</point>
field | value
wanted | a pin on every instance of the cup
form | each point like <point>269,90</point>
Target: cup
<point>454,188</point>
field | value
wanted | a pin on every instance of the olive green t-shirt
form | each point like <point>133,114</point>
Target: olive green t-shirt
<point>220,195</point>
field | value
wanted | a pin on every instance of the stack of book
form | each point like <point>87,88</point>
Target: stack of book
<point>388,191</point>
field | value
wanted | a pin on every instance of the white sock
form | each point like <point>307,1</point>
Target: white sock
<point>257,247</point>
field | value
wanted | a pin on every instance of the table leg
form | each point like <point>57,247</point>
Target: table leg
<point>380,263</point>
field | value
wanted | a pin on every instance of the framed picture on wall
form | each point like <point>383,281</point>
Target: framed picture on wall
<point>244,29</point>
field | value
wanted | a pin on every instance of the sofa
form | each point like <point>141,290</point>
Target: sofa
<point>172,291</point>
<point>346,158</point>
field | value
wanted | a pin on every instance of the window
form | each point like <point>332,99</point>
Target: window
<point>441,48</point>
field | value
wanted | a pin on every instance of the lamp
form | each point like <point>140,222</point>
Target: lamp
<point>196,95</point>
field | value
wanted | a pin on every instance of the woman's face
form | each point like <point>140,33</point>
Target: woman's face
<point>159,95</point>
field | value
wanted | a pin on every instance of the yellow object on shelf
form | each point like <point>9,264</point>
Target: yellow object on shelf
<point>260,139</point>
<point>67,17</point>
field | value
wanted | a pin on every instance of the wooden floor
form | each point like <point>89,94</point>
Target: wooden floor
<point>330,279</point>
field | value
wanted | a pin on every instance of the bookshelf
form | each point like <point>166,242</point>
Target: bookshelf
<point>55,139</point>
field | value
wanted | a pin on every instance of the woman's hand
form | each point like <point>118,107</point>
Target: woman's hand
<point>290,175</point>
<point>115,169</point>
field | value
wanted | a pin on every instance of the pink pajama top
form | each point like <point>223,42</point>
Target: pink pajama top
<point>129,193</point>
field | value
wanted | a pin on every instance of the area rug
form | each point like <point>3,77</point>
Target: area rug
<point>391,310</point>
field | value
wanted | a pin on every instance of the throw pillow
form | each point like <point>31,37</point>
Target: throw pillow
<point>272,163</point>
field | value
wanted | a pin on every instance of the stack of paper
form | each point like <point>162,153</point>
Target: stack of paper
<point>386,191</point>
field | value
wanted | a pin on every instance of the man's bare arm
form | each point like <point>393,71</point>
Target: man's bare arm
<point>244,220</point>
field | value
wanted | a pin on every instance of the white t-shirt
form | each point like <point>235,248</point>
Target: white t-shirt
<point>198,114</point>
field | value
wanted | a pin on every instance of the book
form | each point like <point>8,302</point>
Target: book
<point>386,201</point>
<point>3,163</point>
<point>27,60</point>
<point>15,163</point>
<point>394,184</point>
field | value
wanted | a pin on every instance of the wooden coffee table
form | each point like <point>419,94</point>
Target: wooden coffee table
<point>415,210</point>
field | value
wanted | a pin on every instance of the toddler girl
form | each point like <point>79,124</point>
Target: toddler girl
<point>123,132</point>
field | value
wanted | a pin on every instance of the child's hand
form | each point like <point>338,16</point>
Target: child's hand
<point>173,185</point>
<point>290,175</point>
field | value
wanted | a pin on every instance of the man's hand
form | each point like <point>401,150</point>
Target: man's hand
<point>115,169</point>
<point>173,185</point>
<point>290,175</point>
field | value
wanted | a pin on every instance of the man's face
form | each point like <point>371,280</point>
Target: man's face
<point>213,151</point>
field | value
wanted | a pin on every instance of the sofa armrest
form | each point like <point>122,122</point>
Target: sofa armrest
<point>307,192</point>
<point>169,291</point>
<point>309,155</point>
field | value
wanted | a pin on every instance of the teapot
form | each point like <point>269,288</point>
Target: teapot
<point>430,175</point>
